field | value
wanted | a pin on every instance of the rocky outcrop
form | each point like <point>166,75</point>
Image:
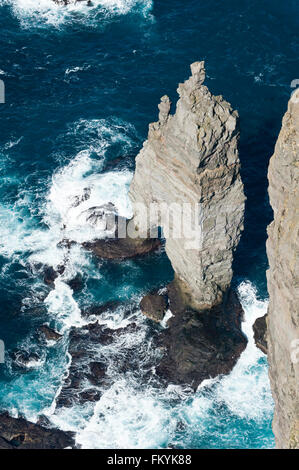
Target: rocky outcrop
<point>200,345</point>
<point>154,306</point>
<point>190,163</point>
<point>25,359</point>
<point>87,377</point>
<point>120,244</point>
<point>260,333</point>
<point>122,248</point>
<point>283,279</point>
<point>48,333</point>
<point>17,433</point>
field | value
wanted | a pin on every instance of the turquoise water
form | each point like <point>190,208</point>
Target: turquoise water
<point>82,84</point>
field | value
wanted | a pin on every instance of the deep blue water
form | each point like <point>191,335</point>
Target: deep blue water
<point>82,84</point>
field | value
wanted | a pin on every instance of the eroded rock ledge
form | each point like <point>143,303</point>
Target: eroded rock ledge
<point>199,345</point>
<point>283,280</point>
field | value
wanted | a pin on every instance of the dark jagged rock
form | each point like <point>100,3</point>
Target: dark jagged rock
<point>22,358</point>
<point>48,333</point>
<point>44,421</point>
<point>200,344</point>
<point>17,433</point>
<point>97,372</point>
<point>122,248</point>
<point>76,284</point>
<point>126,162</point>
<point>260,333</point>
<point>103,217</point>
<point>84,368</point>
<point>97,310</point>
<point>84,197</point>
<point>154,306</point>
<point>50,275</point>
<point>5,444</point>
<point>89,395</point>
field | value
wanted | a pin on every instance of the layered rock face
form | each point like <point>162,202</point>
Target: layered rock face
<point>190,163</point>
<point>283,280</point>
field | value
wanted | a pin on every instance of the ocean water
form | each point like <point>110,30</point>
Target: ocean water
<point>82,84</point>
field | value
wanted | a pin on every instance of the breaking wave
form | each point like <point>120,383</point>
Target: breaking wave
<point>129,415</point>
<point>32,238</point>
<point>41,13</point>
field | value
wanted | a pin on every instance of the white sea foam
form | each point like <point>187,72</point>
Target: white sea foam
<point>12,143</point>
<point>128,415</point>
<point>76,69</point>
<point>70,182</point>
<point>167,317</point>
<point>64,211</point>
<point>40,13</point>
<point>63,307</point>
<point>247,375</point>
<point>131,416</point>
<point>22,239</point>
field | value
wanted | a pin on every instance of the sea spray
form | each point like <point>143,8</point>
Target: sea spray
<point>48,13</point>
<point>130,415</point>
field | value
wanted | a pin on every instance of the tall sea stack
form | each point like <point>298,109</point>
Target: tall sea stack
<point>191,160</point>
<point>283,280</point>
<point>191,157</point>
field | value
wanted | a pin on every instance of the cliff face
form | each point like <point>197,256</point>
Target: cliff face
<point>191,158</point>
<point>283,280</point>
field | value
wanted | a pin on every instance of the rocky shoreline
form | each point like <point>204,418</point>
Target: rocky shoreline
<point>195,321</point>
<point>17,433</point>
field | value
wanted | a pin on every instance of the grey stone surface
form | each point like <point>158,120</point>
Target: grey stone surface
<point>283,280</point>
<point>192,157</point>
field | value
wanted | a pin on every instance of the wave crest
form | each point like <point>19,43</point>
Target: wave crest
<point>43,13</point>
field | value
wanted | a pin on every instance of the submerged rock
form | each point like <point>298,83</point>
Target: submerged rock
<point>24,359</point>
<point>17,433</point>
<point>260,333</point>
<point>123,247</point>
<point>49,334</point>
<point>283,279</point>
<point>190,162</point>
<point>97,310</point>
<point>76,284</point>
<point>50,275</point>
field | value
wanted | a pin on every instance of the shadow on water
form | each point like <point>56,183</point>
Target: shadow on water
<point>250,260</point>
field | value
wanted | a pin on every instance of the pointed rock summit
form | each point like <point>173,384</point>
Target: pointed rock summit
<point>190,167</point>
